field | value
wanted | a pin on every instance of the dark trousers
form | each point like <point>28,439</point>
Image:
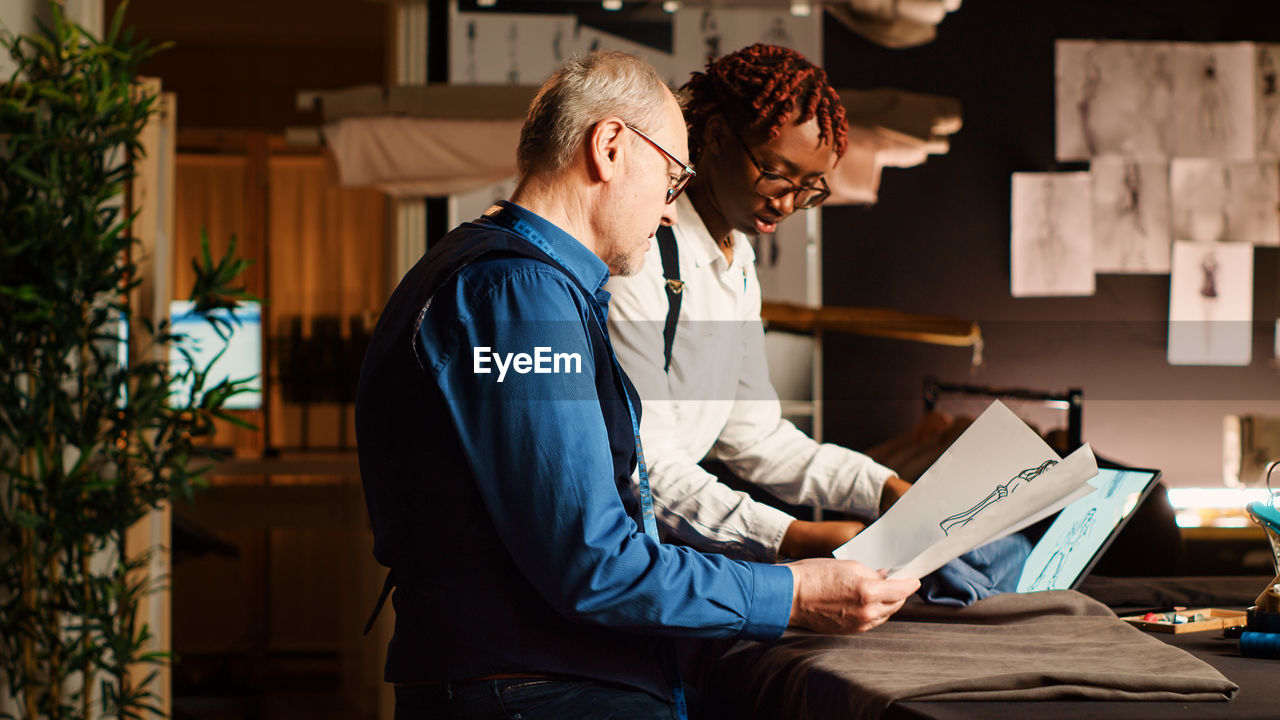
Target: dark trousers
<point>528,699</point>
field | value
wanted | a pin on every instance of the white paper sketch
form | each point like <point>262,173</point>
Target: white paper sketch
<point>1211,304</point>
<point>1267,101</point>
<point>508,48</point>
<point>1131,215</point>
<point>910,539</point>
<point>1113,98</point>
<point>1000,492</point>
<point>1213,94</point>
<point>704,34</point>
<point>1216,201</point>
<point>1052,239</point>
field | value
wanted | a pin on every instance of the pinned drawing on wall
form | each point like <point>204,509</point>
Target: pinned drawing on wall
<point>1213,93</point>
<point>1215,201</point>
<point>1113,98</point>
<point>1052,239</point>
<point>706,35</point>
<point>1267,101</point>
<point>1131,232</point>
<point>1211,304</point>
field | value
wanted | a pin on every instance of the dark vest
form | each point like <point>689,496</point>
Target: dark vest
<point>463,608</point>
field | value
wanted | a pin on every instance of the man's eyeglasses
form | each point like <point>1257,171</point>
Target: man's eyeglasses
<point>775,186</point>
<point>687,172</point>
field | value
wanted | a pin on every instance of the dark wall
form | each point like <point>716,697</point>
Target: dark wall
<point>938,242</point>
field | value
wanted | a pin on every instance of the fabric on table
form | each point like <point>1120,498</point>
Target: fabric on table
<point>988,570</point>
<point>1015,647</point>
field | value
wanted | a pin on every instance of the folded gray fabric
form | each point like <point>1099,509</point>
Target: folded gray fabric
<point>1037,646</point>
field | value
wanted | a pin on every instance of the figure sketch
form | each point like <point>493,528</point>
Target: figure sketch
<point>777,33</point>
<point>1114,98</point>
<point>1214,100</point>
<point>513,68</point>
<point>1088,94</point>
<point>471,51</point>
<point>1211,304</point>
<point>1215,131</point>
<point>1000,492</point>
<point>1052,244</point>
<point>1048,576</point>
<point>710,36</point>
<point>1268,102</point>
<point>1209,272</point>
<point>1130,215</point>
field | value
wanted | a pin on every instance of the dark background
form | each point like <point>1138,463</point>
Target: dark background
<point>938,242</point>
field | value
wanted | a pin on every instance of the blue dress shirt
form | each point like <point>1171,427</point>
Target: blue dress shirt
<point>525,555</point>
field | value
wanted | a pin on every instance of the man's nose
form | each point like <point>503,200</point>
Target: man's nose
<point>669,214</point>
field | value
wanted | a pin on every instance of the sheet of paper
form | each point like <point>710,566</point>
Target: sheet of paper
<point>1051,244</point>
<point>1058,487</point>
<point>966,490</point>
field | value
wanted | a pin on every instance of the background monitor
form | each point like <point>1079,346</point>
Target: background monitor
<point>243,358</point>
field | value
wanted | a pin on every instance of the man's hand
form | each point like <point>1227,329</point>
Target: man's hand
<point>843,596</point>
<point>805,539</point>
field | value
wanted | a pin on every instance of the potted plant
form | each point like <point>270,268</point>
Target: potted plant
<point>89,442</point>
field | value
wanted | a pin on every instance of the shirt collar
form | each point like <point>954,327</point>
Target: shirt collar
<point>702,246</point>
<point>584,265</point>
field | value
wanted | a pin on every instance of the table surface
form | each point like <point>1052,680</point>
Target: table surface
<point>1259,679</point>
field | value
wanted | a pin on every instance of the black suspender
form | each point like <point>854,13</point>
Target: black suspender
<point>671,272</point>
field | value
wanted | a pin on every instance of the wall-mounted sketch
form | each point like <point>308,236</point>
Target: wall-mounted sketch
<point>508,48</point>
<point>1047,578</point>
<point>1131,231</point>
<point>1267,101</point>
<point>1215,201</point>
<point>1052,240</point>
<point>1213,93</point>
<point>1113,98</point>
<point>704,35</point>
<point>1001,491</point>
<point>1211,304</point>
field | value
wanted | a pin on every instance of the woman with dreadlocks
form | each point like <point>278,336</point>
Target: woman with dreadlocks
<point>765,127</point>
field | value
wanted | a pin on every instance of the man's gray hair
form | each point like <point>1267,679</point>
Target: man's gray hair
<point>581,93</point>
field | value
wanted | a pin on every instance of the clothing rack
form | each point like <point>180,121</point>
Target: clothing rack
<point>1072,401</point>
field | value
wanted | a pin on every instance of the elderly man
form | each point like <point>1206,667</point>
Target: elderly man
<point>497,438</point>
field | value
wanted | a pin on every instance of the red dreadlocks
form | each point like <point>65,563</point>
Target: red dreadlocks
<point>759,89</point>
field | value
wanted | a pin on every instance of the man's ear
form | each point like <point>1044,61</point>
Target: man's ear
<point>605,148</point>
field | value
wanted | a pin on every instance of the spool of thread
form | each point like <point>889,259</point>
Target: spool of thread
<point>1260,620</point>
<point>1260,645</point>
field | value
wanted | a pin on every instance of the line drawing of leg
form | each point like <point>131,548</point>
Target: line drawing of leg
<point>1000,492</point>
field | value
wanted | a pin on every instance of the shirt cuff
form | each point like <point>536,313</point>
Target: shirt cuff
<point>770,526</point>
<point>771,605</point>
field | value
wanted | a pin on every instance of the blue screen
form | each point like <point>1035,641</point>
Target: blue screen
<point>1082,529</point>
<point>242,359</point>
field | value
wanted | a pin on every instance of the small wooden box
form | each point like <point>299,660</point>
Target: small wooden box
<point>1214,619</point>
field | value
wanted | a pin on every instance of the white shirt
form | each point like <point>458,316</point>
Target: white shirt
<point>717,403</point>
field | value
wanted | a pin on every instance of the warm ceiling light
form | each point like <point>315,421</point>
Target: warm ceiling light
<point>486,3</point>
<point>611,4</point>
<point>801,8</point>
<point>673,5</point>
